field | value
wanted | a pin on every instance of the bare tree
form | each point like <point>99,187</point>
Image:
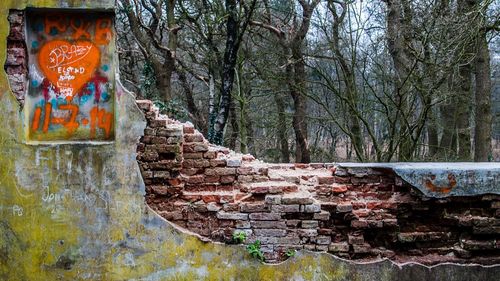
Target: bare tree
<point>155,29</point>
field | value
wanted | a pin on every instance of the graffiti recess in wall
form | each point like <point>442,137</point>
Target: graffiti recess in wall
<point>71,91</point>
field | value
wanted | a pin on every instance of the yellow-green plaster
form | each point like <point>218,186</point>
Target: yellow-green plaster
<point>84,217</point>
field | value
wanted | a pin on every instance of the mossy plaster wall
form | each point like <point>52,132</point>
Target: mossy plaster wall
<point>77,212</point>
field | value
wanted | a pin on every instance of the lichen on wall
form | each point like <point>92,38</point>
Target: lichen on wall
<point>77,212</point>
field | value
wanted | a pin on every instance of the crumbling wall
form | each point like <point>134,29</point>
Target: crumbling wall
<point>355,212</point>
<point>76,211</point>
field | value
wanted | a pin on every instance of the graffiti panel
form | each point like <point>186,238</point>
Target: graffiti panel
<point>71,85</point>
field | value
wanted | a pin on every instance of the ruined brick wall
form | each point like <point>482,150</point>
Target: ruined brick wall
<point>16,62</point>
<point>356,213</point>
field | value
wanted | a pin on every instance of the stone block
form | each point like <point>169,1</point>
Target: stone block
<point>265,216</point>
<point>321,248</point>
<point>273,199</point>
<point>242,224</point>
<point>323,240</point>
<point>338,247</point>
<point>270,232</point>
<point>290,239</point>
<point>313,208</point>
<point>233,162</point>
<point>344,208</point>
<point>293,223</point>
<point>253,207</point>
<point>297,198</point>
<point>322,216</point>
<point>161,174</point>
<point>361,248</point>
<point>309,224</point>
<point>268,224</point>
<point>307,232</point>
<point>355,239</point>
<point>213,207</point>
<point>222,215</point>
<point>285,208</point>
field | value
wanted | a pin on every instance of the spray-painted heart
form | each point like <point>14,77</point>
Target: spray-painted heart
<point>68,66</point>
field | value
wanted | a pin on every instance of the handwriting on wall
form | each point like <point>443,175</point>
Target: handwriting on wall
<point>71,93</point>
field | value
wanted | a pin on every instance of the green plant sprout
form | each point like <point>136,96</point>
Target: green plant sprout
<point>255,251</point>
<point>290,253</point>
<point>239,237</point>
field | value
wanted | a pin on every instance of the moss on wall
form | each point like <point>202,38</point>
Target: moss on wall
<point>77,212</point>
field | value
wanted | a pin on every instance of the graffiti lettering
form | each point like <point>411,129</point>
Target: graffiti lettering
<point>101,119</point>
<point>71,90</point>
<point>68,66</point>
<point>80,26</point>
<point>103,33</point>
<point>66,115</point>
<point>17,211</point>
<point>54,22</point>
<point>65,55</point>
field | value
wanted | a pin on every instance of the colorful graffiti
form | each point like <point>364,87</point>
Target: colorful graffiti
<point>71,91</point>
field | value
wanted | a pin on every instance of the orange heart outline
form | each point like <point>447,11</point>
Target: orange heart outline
<point>68,66</point>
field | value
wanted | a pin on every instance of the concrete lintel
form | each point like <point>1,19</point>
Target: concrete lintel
<point>444,179</point>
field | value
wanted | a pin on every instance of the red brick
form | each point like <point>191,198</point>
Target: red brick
<point>220,171</point>
<point>197,155</point>
<point>195,163</point>
<point>190,171</point>
<point>326,179</point>
<point>193,138</point>
<point>359,224</point>
<point>195,179</point>
<point>342,180</point>
<point>217,162</point>
<point>210,155</point>
<point>212,179</point>
<point>246,171</point>
<point>339,189</point>
<point>227,179</point>
<point>195,147</point>
<point>188,129</point>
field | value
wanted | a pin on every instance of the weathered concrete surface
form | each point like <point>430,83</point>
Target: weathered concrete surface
<point>445,179</point>
<point>77,212</point>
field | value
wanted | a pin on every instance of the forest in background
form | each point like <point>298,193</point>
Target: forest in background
<point>322,80</point>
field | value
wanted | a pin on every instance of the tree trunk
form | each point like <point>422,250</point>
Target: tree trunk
<point>463,90</point>
<point>300,105</point>
<point>233,119</point>
<point>282,126</point>
<point>482,131</point>
<point>195,114</point>
<point>230,55</point>
<point>234,36</point>
<point>398,41</point>
<point>432,133</point>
